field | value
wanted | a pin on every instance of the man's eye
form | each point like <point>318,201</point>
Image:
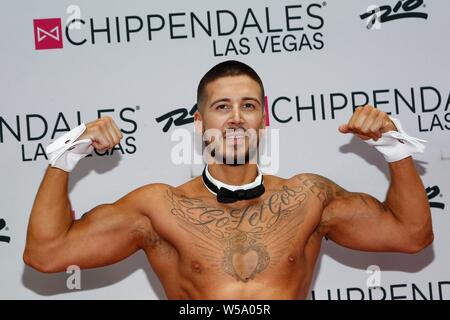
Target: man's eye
<point>248,106</point>
<point>222,107</point>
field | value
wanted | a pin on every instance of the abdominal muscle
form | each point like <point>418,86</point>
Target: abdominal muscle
<point>195,278</point>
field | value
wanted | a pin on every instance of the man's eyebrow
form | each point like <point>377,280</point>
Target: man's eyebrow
<point>219,100</point>
<point>251,98</point>
<point>228,100</point>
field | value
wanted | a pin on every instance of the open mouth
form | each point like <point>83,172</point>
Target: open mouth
<point>235,136</point>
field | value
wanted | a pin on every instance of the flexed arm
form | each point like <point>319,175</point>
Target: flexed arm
<point>402,222</point>
<point>107,234</point>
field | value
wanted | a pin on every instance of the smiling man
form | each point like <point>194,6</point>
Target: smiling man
<point>232,233</point>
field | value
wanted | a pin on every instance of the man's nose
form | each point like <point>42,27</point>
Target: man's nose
<point>236,116</point>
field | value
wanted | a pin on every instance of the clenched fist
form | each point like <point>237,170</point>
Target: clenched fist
<point>104,133</point>
<point>368,123</point>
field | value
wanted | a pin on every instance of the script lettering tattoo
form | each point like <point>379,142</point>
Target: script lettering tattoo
<point>325,191</point>
<point>321,187</point>
<point>243,242</point>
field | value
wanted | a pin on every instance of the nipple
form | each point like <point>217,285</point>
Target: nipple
<point>196,266</point>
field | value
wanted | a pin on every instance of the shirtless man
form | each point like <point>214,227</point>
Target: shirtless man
<point>203,245</point>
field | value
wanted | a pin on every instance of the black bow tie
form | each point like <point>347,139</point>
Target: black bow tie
<point>225,195</point>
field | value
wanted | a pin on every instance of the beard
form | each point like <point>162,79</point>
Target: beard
<point>232,147</point>
<point>235,154</point>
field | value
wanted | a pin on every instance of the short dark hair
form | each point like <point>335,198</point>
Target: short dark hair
<point>227,68</point>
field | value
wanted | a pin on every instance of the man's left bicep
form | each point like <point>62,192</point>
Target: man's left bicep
<point>362,222</point>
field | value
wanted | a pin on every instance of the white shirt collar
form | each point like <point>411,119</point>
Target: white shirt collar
<point>231,187</point>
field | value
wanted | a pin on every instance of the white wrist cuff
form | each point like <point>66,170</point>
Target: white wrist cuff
<point>397,145</point>
<point>65,152</point>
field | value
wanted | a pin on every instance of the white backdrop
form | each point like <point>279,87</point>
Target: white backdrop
<point>320,55</point>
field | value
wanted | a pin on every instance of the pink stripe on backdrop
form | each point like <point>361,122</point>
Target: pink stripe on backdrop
<point>266,109</point>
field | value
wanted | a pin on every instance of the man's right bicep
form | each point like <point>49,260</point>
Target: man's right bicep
<point>104,235</point>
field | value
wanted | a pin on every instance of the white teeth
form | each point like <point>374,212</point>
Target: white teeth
<point>235,136</point>
<point>238,134</point>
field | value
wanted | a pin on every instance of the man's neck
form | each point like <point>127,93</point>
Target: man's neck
<point>234,175</point>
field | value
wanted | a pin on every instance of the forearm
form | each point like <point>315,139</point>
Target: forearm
<point>51,213</point>
<point>406,197</point>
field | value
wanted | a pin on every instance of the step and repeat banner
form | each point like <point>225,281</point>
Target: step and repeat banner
<point>68,62</point>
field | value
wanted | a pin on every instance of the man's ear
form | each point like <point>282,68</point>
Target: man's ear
<point>198,123</point>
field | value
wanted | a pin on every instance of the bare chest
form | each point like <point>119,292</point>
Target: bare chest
<point>242,241</point>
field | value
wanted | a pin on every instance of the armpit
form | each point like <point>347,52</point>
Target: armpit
<point>145,234</point>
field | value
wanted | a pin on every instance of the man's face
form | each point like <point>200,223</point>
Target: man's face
<point>233,107</point>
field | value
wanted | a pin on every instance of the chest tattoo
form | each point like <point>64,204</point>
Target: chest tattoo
<point>246,241</point>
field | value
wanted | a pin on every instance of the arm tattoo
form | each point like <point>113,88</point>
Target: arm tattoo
<point>324,189</point>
